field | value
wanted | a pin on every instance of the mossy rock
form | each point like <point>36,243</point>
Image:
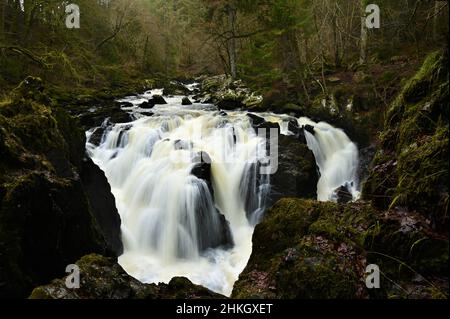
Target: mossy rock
<point>104,278</point>
<point>44,207</point>
<point>307,249</point>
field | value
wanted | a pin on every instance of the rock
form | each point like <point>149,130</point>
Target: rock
<point>202,169</point>
<point>228,94</point>
<point>309,128</point>
<point>125,104</point>
<point>103,205</point>
<point>293,127</point>
<point>300,252</point>
<point>229,104</point>
<point>104,278</point>
<point>157,100</point>
<point>305,249</point>
<point>175,88</point>
<point>97,135</point>
<point>252,102</point>
<point>214,229</point>
<point>95,119</point>
<point>223,113</point>
<point>147,104</point>
<point>343,194</point>
<point>44,208</point>
<point>186,101</point>
<point>147,113</point>
<point>256,120</point>
<point>297,174</point>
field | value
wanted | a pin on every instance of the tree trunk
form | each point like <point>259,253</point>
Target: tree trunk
<point>364,34</point>
<point>232,41</point>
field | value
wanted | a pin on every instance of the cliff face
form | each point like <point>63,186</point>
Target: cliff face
<point>49,216</point>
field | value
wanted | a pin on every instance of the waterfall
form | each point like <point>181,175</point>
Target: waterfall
<point>336,156</point>
<point>188,190</point>
<point>183,216</point>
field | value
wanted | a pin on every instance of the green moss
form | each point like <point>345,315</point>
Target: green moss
<point>308,249</point>
<point>411,170</point>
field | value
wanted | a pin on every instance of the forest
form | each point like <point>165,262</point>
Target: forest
<point>98,96</point>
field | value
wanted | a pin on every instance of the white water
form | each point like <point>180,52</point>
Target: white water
<point>337,158</point>
<point>158,198</point>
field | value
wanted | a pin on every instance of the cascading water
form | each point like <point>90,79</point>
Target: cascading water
<point>337,158</point>
<point>182,216</point>
<point>171,219</point>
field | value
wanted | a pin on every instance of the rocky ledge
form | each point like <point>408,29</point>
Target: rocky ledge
<point>103,278</point>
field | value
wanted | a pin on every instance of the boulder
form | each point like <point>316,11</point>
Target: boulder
<point>147,104</point>
<point>157,100</point>
<point>299,254</point>
<point>186,101</point>
<point>104,278</point>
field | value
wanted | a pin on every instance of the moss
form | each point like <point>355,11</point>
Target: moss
<point>411,170</point>
<point>103,278</point>
<point>308,249</point>
<point>41,153</point>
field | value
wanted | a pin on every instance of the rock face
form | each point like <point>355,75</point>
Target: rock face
<point>307,249</point>
<point>297,175</point>
<point>48,217</point>
<point>103,278</point>
<point>411,169</point>
<point>102,203</point>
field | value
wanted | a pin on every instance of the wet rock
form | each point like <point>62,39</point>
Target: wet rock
<point>309,128</point>
<point>186,101</point>
<point>97,135</point>
<point>343,194</point>
<point>213,229</point>
<point>44,208</point>
<point>256,120</point>
<point>147,104</point>
<point>293,127</point>
<point>157,100</point>
<point>103,205</point>
<point>202,169</point>
<point>104,278</point>
<point>296,175</point>
<point>298,252</point>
